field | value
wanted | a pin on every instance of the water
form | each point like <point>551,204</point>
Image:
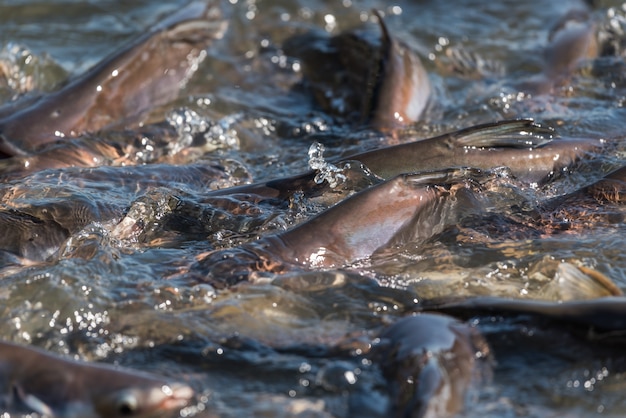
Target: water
<point>120,289</point>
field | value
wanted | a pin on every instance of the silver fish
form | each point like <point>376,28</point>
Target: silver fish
<point>119,89</point>
<point>57,387</point>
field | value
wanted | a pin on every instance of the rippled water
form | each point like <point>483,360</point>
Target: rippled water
<point>119,290</point>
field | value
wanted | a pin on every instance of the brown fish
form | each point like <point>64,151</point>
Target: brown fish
<point>598,203</point>
<point>607,314</point>
<point>611,188</point>
<point>571,41</point>
<point>407,208</point>
<point>523,146</point>
<point>380,83</point>
<point>117,91</point>
<point>54,386</point>
<point>430,362</point>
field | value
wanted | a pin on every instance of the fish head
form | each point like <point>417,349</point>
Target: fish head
<point>56,387</point>
<point>142,402</point>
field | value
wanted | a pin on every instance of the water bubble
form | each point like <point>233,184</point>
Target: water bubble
<point>326,171</point>
<point>199,131</point>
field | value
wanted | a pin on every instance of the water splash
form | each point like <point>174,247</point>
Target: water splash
<point>199,131</point>
<point>326,171</point>
<point>21,71</point>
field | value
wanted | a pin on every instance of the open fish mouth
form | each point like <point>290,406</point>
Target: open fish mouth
<point>176,396</point>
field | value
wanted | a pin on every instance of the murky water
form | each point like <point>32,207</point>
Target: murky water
<point>119,285</point>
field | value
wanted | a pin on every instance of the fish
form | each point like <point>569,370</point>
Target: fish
<point>407,208</point>
<point>599,203</point>
<point>121,88</point>
<point>571,41</point>
<point>527,148</point>
<point>602,315</point>
<point>381,83</point>
<point>38,219</point>
<point>30,237</point>
<point>610,189</point>
<point>58,387</point>
<point>404,90</point>
<point>430,361</point>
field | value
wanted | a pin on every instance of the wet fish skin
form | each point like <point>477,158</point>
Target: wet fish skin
<point>603,315</point>
<point>145,73</point>
<point>611,188</point>
<point>571,41</point>
<point>407,208</point>
<point>430,361</point>
<point>404,89</point>
<point>522,145</point>
<point>380,83</point>
<point>54,386</point>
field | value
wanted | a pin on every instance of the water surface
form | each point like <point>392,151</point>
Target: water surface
<point>261,349</point>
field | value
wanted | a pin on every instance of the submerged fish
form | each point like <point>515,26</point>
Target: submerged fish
<point>571,41</point>
<point>611,188</point>
<point>381,82</point>
<point>598,203</point>
<point>430,362</point>
<point>119,89</point>
<point>54,386</point>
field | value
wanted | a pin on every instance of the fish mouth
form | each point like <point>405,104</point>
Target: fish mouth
<point>177,395</point>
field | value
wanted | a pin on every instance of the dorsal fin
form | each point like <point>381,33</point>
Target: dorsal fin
<point>518,133</point>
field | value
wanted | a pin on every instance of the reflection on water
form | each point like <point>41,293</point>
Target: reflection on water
<point>111,263</point>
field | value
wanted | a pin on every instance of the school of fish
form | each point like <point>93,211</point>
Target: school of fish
<point>336,227</point>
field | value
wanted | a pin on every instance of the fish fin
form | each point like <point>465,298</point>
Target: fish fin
<point>375,70</point>
<point>8,148</point>
<point>32,402</point>
<point>518,133</point>
<point>387,39</point>
<point>446,176</point>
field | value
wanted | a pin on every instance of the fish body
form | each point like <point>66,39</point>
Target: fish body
<point>607,314</point>
<point>571,41</point>
<point>119,89</point>
<point>404,89</point>
<point>379,83</point>
<point>526,148</point>
<point>430,362</point>
<point>523,146</point>
<point>407,208</point>
<point>57,387</point>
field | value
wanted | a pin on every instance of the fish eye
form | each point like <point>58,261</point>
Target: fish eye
<point>126,405</point>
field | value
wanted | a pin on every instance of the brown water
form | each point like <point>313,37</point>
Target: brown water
<point>261,349</point>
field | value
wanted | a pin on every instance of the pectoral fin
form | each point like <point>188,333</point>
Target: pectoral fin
<point>32,402</point>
